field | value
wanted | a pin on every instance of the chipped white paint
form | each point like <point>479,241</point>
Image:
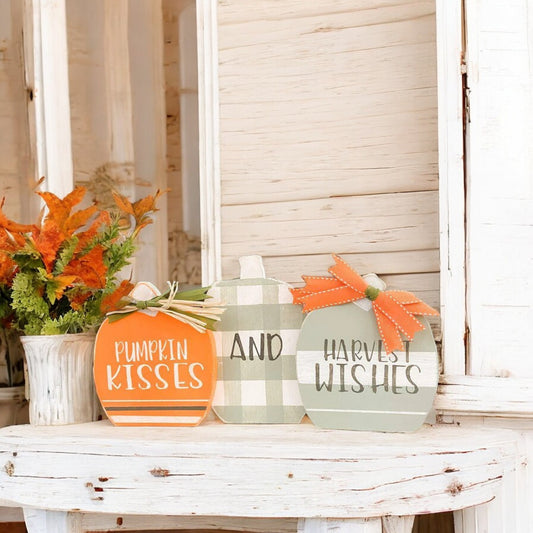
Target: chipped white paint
<point>99,468</point>
<point>485,395</point>
<point>511,511</point>
<point>60,372</point>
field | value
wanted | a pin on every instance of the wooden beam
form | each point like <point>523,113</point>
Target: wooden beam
<point>49,106</point>
<point>354,525</point>
<point>451,185</point>
<point>118,84</point>
<point>487,396</point>
<point>210,197</point>
<point>122,522</point>
<point>147,91</point>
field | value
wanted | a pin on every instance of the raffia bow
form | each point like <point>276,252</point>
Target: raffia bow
<point>394,310</point>
<point>192,307</point>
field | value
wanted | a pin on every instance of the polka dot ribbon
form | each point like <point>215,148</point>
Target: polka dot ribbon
<point>394,310</point>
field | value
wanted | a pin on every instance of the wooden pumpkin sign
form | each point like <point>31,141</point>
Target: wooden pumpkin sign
<point>256,348</point>
<point>153,370</point>
<point>354,371</point>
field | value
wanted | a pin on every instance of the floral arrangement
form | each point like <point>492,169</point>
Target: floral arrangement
<point>61,274</point>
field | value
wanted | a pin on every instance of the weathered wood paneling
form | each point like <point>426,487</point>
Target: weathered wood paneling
<point>91,136</point>
<point>500,187</point>
<point>118,110</point>
<point>181,95</point>
<point>328,137</point>
<point>15,162</point>
<point>171,51</point>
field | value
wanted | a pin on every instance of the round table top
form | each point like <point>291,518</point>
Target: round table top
<point>252,470</point>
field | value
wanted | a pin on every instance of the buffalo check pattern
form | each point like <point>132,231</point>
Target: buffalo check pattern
<point>256,351</point>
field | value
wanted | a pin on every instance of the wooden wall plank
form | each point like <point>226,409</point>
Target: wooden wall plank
<point>356,102</point>
<point>147,81</point>
<point>91,132</point>
<point>328,136</point>
<point>356,224</point>
<point>181,86</point>
<point>381,263</point>
<point>15,161</point>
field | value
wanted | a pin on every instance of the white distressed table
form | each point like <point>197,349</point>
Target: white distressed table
<point>257,478</point>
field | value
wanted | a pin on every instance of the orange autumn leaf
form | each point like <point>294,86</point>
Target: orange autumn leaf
<point>79,219</point>
<point>59,209</point>
<point>123,203</point>
<point>147,204</point>
<point>85,237</point>
<point>89,268</point>
<point>9,243</point>
<point>78,298</point>
<point>139,209</point>
<point>10,225</point>
<point>47,242</point>
<point>59,284</point>
<point>112,302</point>
<point>7,269</point>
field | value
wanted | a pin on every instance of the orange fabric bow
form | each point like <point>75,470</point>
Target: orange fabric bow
<point>394,310</point>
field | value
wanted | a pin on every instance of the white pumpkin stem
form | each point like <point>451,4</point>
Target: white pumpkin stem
<point>252,267</point>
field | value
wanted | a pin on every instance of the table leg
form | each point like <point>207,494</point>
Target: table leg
<point>42,521</point>
<point>348,525</point>
<point>398,524</point>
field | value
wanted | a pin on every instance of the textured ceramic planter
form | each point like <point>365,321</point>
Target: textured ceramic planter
<point>60,373</point>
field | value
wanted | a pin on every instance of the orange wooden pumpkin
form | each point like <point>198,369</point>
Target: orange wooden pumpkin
<point>153,370</point>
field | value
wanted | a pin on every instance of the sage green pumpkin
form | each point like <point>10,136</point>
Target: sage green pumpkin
<point>347,381</point>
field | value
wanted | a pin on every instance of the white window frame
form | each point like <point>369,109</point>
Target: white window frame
<point>459,394</point>
<point>209,129</point>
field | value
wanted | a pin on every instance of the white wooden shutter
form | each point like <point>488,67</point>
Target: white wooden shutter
<point>500,187</point>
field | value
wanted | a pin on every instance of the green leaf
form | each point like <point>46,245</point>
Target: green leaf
<point>65,255</point>
<point>51,291</point>
<point>117,316</point>
<point>192,295</point>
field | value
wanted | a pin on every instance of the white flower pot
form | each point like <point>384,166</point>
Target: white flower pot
<point>60,373</point>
